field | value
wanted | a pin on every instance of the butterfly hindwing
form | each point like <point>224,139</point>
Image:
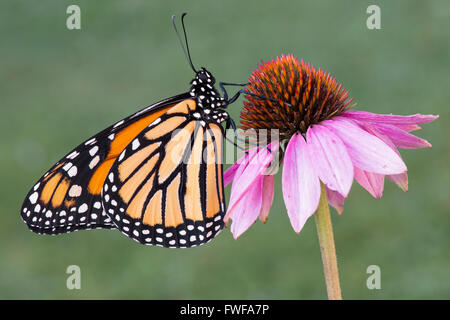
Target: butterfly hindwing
<point>68,196</point>
<point>166,186</point>
<point>60,201</point>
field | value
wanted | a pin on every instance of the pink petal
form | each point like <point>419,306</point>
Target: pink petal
<point>401,138</point>
<point>248,171</point>
<point>240,169</point>
<point>263,152</point>
<point>372,129</point>
<point>247,209</point>
<point>408,127</point>
<point>366,150</point>
<point>251,166</point>
<point>229,174</point>
<point>330,159</point>
<point>301,185</point>
<point>401,180</point>
<point>267,197</point>
<point>336,200</point>
<point>372,182</point>
<point>390,118</point>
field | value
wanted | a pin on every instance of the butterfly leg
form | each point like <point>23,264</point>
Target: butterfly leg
<point>230,124</point>
<point>242,91</point>
<point>225,93</point>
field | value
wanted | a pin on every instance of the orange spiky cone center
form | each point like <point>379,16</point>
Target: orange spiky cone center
<point>300,96</point>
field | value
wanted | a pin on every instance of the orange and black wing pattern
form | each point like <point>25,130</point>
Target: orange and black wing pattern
<point>69,196</point>
<point>166,186</point>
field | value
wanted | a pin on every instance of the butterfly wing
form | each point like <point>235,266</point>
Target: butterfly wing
<point>166,187</point>
<point>68,196</point>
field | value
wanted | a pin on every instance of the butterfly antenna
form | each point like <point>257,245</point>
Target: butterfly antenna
<point>186,41</point>
<point>186,53</point>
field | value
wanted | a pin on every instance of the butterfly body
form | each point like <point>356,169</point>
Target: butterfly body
<point>208,99</point>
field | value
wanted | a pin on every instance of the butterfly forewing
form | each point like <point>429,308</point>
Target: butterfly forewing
<point>68,196</point>
<point>166,186</point>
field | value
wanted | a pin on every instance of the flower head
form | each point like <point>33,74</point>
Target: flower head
<point>301,96</point>
<point>325,142</point>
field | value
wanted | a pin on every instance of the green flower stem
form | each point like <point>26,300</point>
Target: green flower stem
<point>326,241</point>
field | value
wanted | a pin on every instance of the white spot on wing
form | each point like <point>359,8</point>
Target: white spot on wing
<point>90,141</point>
<point>93,150</point>
<point>72,171</point>
<point>67,166</point>
<point>122,155</point>
<point>135,144</point>
<point>73,155</point>
<point>154,123</point>
<point>83,208</point>
<point>94,161</point>
<point>33,198</point>
<point>118,123</point>
<point>75,191</point>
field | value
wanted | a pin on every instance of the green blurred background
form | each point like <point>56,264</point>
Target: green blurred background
<point>58,87</point>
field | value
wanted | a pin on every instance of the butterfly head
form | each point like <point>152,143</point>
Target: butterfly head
<point>204,76</point>
<point>203,90</point>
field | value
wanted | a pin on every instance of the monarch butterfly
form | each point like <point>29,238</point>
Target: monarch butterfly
<point>124,176</point>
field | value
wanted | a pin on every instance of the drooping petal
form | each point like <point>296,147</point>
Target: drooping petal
<point>366,150</point>
<point>330,159</point>
<point>390,118</point>
<point>267,197</point>
<point>408,127</point>
<point>401,138</point>
<point>234,200</point>
<point>270,151</point>
<point>401,180</point>
<point>249,170</point>
<point>301,185</point>
<point>372,182</point>
<point>336,200</point>
<point>229,174</point>
<point>247,209</point>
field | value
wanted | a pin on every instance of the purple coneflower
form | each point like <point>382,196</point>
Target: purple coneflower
<point>323,144</point>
